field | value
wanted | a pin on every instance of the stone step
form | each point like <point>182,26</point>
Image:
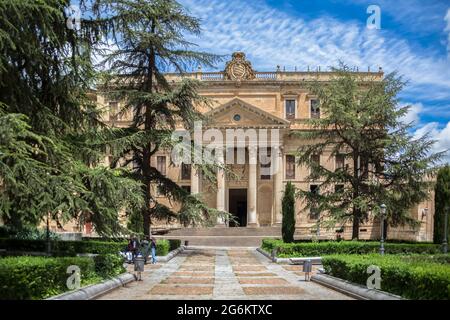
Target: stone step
<point>223,241</point>
<point>224,231</point>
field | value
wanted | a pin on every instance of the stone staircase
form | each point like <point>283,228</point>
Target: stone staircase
<point>223,236</point>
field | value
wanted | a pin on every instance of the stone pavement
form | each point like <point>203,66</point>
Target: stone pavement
<point>230,274</point>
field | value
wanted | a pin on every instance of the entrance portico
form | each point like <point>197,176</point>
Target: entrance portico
<point>252,150</point>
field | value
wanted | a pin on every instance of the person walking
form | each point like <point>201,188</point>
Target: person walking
<point>153,249</point>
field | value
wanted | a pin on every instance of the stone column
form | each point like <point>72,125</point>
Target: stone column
<point>220,203</point>
<point>252,188</point>
<point>278,182</point>
<point>195,180</point>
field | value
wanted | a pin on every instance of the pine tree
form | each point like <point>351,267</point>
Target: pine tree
<point>361,122</point>
<point>149,39</point>
<point>52,138</point>
<point>442,203</point>
<point>288,207</point>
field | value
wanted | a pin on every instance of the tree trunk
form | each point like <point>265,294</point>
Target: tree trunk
<point>355,229</point>
<point>148,126</point>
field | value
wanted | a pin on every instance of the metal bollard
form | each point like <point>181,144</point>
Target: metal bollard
<point>139,264</point>
<point>307,268</point>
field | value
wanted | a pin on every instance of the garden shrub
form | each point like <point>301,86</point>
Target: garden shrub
<point>174,244</point>
<point>41,277</point>
<point>288,213</point>
<point>308,249</point>
<point>412,277</point>
<point>162,247</point>
<point>109,265</point>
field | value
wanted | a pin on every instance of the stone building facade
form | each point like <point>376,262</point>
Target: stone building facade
<point>243,99</point>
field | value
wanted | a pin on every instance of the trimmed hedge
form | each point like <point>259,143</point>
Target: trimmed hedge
<point>71,248</point>
<point>174,244</point>
<point>411,277</point>
<point>41,277</point>
<point>305,249</point>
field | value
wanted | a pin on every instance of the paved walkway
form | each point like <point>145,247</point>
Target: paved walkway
<point>222,274</point>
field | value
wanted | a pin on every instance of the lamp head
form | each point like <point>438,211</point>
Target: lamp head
<point>383,209</point>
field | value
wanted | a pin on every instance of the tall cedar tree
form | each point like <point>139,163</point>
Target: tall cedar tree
<point>442,204</point>
<point>288,205</point>
<point>361,122</point>
<point>50,133</point>
<point>148,39</point>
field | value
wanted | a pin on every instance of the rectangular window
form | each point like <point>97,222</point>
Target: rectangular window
<point>161,164</point>
<point>290,167</point>
<point>113,110</point>
<point>315,108</point>
<point>314,212</point>
<point>187,188</point>
<point>315,159</point>
<point>340,161</point>
<point>265,167</point>
<point>185,171</point>
<point>364,168</point>
<point>159,191</point>
<point>290,109</point>
<point>338,188</point>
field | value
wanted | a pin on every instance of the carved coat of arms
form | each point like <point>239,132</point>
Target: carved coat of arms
<point>239,68</point>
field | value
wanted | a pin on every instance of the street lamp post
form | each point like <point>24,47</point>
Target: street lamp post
<point>445,242</point>
<point>383,212</point>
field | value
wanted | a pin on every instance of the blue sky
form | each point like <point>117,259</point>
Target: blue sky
<point>414,40</point>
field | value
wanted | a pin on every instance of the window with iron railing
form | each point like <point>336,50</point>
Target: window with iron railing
<point>185,171</point>
<point>113,110</point>
<point>314,212</point>
<point>161,164</point>
<point>290,167</point>
<point>314,108</point>
<point>290,109</point>
<point>340,162</point>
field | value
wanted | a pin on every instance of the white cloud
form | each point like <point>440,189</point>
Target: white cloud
<point>413,115</point>
<point>271,37</point>
<point>442,137</point>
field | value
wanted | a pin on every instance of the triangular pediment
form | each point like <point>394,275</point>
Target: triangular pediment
<point>238,113</point>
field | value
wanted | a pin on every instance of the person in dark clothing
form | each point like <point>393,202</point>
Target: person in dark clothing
<point>134,246</point>
<point>145,248</point>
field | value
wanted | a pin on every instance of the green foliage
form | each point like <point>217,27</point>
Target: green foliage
<point>162,247</point>
<point>63,248</point>
<point>442,203</point>
<point>288,211</point>
<point>385,163</point>
<point>39,278</point>
<point>26,233</point>
<point>71,248</point>
<point>174,244</point>
<point>314,249</point>
<point>51,136</point>
<point>108,265</point>
<point>157,105</point>
<point>135,222</point>
<point>411,277</point>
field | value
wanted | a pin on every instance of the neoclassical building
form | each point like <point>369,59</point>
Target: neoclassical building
<point>278,103</point>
